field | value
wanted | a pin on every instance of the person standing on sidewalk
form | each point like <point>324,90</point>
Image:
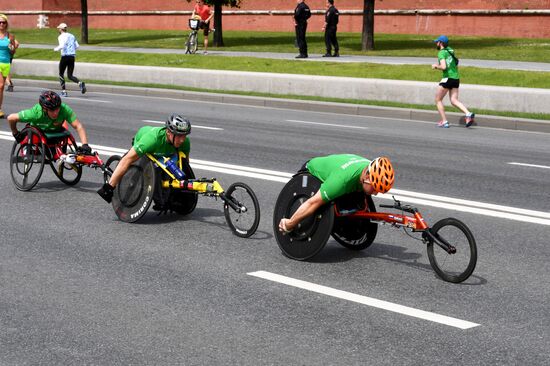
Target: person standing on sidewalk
<point>67,45</point>
<point>7,48</point>
<point>448,63</point>
<point>330,28</point>
<point>206,14</point>
<point>301,14</point>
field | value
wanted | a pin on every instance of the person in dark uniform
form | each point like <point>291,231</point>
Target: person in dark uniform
<point>301,14</point>
<point>330,27</point>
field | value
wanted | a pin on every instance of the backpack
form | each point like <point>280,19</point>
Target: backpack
<point>453,56</point>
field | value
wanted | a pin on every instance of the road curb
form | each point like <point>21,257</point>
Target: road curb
<point>510,123</point>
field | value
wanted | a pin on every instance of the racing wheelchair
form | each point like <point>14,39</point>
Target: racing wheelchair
<point>57,149</point>
<point>149,179</point>
<point>352,221</point>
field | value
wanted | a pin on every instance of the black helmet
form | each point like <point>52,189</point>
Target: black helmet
<point>178,125</point>
<point>49,100</point>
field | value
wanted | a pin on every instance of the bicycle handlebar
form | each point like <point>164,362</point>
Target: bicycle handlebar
<point>398,206</point>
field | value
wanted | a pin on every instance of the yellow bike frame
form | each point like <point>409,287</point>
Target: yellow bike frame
<point>195,185</point>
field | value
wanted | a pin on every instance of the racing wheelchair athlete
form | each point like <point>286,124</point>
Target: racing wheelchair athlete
<point>46,139</point>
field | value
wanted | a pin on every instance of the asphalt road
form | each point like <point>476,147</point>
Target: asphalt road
<point>77,286</point>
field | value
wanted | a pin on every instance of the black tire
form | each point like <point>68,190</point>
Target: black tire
<point>183,202</point>
<point>191,44</point>
<point>69,174</point>
<point>27,160</point>
<point>458,266</point>
<point>109,167</point>
<point>243,223</point>
<point>355,233</point>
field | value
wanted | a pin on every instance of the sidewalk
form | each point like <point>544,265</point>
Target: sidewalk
<point>494,64</point>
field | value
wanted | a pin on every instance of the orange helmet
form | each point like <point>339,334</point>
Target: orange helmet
<point>381,174</point>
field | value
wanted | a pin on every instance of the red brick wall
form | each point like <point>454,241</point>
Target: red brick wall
<point>536,26</point>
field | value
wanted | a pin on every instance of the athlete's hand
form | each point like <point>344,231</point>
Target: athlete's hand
<point>106,192</point>
<point>85,149</point>
<point>19,136</point>
<point>283,226</point>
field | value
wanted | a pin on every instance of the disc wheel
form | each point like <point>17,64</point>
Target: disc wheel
<point>312,234</point>
<point>245,219</point>
<point>109,167</point>
<point>458,265</point>
<point>69,174</point>
<point>27,160</point>
<point>356,233</point>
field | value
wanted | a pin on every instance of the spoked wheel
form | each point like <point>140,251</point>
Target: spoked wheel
<point>109,167</point>
<point>191,44</point>
<point>458,265</point>
<point>355,233</point>
<point>243,220</point>
<point>27,160</point>
<point>69,174</point>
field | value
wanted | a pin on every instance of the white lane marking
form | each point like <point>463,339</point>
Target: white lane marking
<point>194,125</point>
<point>456,204</point>
<point>530,165</point>
<point>369,301</point>
<point>326,124</point>
<point>87,100</point>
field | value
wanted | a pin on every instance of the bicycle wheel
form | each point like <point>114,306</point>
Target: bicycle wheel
<point>109,167</point>
<point>69,174</point>
<point>244,221</point>
<point>452,267</point>
<point>184,202</point>
<point>355,233</point>
<point>27,160</point>
<point>191,44</point>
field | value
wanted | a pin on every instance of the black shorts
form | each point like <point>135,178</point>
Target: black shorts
<point>205,26</point>
<point>449,83</point>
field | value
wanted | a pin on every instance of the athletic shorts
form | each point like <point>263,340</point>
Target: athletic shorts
<point>205,26</point>
<point>449,83</point>
<point>5,69</point>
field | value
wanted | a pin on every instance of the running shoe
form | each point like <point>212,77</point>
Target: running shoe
<point>10,88</point>
<point>64,93</point>
<point>82,86</point>
<point>470,119</point>
<point>443,124</point>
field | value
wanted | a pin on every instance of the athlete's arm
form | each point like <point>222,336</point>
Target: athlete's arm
<point>307,209</point>
<point>12,120</point>
<point>80,130</point>
<point>127,160</point>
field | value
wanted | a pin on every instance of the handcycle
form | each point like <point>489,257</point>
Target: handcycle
<point>149,179</point>
<point>352,221</point>
<point>57,149</point>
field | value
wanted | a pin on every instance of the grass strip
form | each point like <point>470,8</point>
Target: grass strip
<point>479,112</point>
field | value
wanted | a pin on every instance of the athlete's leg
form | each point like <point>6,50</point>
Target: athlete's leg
<point>453,96</point>
<point>70,69</point>
<point>439,95</point>
<point>62,68</point>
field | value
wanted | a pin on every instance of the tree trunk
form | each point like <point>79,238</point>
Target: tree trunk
<point>218,34</point>
<point>367,39</point>
<point>84,9</point>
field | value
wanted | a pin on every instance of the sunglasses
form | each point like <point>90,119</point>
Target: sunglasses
<point>3,22</point>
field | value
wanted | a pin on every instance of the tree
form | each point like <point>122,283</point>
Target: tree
<point>84,12</point>
<point>367,38</point>
<point>218,34</point>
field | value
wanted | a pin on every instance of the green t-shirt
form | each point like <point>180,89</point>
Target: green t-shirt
<point>340,174</point>
<point>152,140</point>
<point>452,68</point>
<point>38,118</point>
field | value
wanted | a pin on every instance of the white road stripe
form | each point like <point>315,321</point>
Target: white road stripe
<point>380,304</point>
<point>456,204</point>
<point>193,126</point>
<point>530,165</point>
<point>73,99</point>
<point>327,124</point>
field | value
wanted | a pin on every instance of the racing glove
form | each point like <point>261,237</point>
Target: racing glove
<point>106,192</point>
<point>19,136</point>
<point>85,149</point>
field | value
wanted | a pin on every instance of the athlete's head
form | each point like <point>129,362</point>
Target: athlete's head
<point>4,21</point>
<point>177,129</point>
<point>441,40</point>
<point>378,177</point>
<point>50,102</point>
<point>62,27</point>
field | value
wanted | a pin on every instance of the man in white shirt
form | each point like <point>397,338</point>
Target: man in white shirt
<point>67,45</point>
